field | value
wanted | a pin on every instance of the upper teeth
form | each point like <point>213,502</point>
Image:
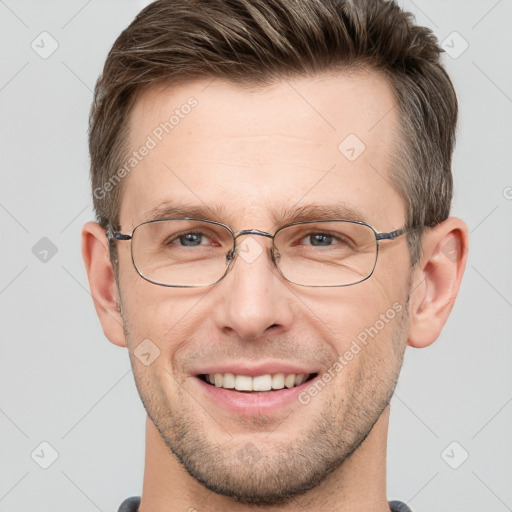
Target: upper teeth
<point>259,383</point>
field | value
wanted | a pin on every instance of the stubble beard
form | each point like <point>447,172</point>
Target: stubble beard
<point>272,473</point>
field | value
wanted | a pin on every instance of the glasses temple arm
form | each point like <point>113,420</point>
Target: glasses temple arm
<point>115,235</point>
<point>392,234</point>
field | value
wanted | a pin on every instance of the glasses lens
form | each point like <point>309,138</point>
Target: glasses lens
<point>326,253</point>
<point>181,252</point>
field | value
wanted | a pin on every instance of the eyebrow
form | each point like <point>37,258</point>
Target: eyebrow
<point>171,210</point>
<point>280,215</point>
<point>309,212</point>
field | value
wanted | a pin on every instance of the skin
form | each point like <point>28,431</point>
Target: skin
<point>255,152</point>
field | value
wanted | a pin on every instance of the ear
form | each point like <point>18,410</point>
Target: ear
<point>437,280</point>
<point>102,282</point>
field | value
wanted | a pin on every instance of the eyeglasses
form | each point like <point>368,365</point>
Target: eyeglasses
<point>189,252</point>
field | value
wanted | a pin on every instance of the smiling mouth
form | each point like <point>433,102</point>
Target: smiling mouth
<point>257,384</point>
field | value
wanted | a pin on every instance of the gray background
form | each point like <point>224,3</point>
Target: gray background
<point>63,383</point>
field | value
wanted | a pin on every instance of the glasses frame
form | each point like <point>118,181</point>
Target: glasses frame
<point>114,236</point>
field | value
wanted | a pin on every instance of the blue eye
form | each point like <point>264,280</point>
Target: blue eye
<point>190,239</point>
<point>320,239</point>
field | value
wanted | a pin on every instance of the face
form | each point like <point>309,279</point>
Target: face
<point>250,158</point>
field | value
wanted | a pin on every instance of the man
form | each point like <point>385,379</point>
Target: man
<point>272,185</point>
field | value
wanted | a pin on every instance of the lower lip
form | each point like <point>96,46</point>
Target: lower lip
<point>253,404</point>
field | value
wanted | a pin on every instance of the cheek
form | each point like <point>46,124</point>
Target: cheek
<point>347,313</point>
<point>370,361</point>
<point>367,328</point>
<point>167,317</point>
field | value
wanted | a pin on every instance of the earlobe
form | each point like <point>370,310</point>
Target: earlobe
<point>437,280</point>
<point>102,282</point>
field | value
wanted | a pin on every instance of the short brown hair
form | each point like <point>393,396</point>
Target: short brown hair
<point>255,42</point>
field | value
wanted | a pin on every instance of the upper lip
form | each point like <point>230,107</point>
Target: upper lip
<point>253,370</point>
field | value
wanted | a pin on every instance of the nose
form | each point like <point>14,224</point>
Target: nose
<point>253,298</point>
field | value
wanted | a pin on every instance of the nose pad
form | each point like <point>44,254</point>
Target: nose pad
<point>250,252</point>
<point>250,249</point>
<point>275,255</point>
<point>230,256</point>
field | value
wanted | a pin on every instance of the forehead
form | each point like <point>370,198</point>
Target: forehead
<point>240,151</point>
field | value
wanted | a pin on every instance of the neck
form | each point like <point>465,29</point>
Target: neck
<point>359,484</point>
